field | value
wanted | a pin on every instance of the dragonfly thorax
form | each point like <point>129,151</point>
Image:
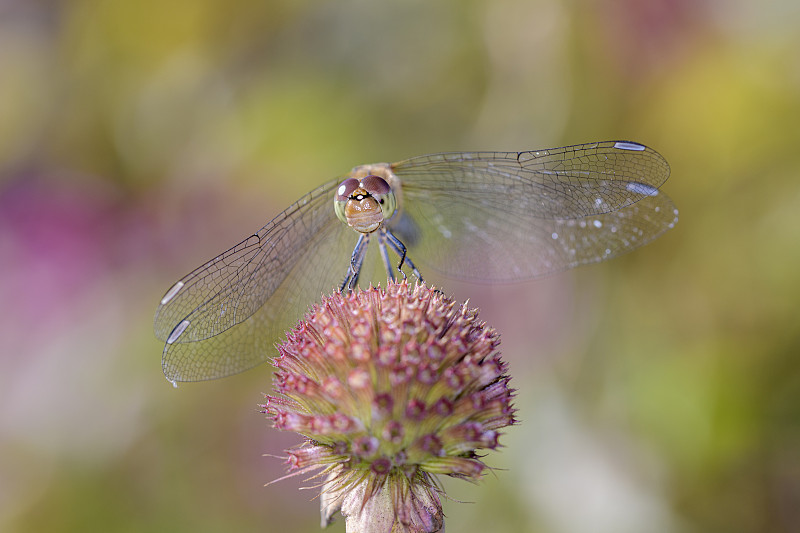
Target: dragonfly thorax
<point>364,204</point>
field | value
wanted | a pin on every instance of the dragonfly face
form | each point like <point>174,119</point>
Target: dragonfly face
<point>364,204</point>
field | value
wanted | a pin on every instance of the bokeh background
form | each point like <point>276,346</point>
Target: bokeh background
<point>658,392</point>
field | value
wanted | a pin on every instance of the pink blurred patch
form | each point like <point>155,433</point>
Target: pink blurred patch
<point>55,239</point>
<point>645,37</point>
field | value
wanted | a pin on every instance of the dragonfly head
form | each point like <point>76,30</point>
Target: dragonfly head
<point>364,204</point>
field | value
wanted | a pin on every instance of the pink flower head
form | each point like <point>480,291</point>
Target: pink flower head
<point>390,387</point>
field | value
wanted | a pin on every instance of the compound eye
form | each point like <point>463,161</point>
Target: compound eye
<point>375,185</point>
<point>382,192</point>
<point>346,188</point>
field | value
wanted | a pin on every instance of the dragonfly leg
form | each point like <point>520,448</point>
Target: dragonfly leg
<point>356,260</point>
<point>385,255</point>
<point>400,249</point>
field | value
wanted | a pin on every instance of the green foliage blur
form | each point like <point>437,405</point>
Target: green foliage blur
<point>658,392</point>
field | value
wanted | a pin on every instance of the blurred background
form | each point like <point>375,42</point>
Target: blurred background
<point>658,392</point>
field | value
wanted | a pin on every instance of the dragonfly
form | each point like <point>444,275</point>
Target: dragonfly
<point>480,216</point>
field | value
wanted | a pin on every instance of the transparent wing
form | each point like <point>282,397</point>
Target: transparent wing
<point>502,216</point>
<point>241,302</point>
